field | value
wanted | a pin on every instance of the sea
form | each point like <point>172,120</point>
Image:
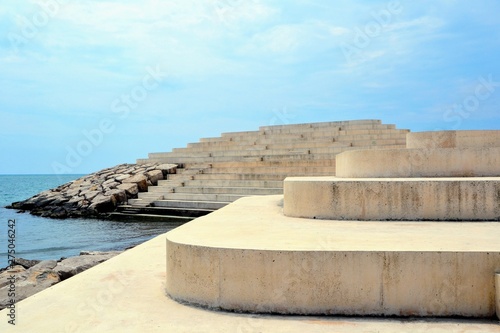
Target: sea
<point>44,238</point>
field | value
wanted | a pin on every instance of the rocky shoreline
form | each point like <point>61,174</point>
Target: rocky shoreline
<point>98,194</point>
<point>28,277</point>
<point>94,196</point>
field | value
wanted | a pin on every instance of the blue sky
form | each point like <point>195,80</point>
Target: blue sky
<point>110,81</point>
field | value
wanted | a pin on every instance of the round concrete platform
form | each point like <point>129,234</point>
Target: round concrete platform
<point>126,294</point>
<point>409,163</point>
<point>400,199</point>
<point>453,139</point>
<point>266,262</point>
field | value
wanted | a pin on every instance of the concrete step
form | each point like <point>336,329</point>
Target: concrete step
<point>151,195</point>
<point>310,134</point>
<point>370,122</point>
<point>326,126</point>
<point>272,170</point>
<point>318,134</point>
<point>186,204</point>
<point>202,197</point>
<point>139,202</point>
<point>196,160</point>
<point>338,131</point>
<point>230,183</point>
<point>289,138</point>
<point>291,144</point>
<point>409,163</point>
<point>285,157</point>
<point>116,216</point>
<point>269,145</point>
<point>169,211</point>
<point>237,151</point>
<point>330,162</point>
<point>200,167</point>
<point>252,151</point>
<point>229,190</point>
<point>399,199</point>
<point>302,128</point>
<point>249,176</point>
<point>266,262</point>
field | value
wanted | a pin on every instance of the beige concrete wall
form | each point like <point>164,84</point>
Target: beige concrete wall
<point>406,163</point>
<point>409,199</point>
<point>453,139</point>
<point>336,282</point>
<point>267,262</point>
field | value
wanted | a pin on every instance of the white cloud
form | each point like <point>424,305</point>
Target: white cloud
<point>292,42</point>
<point>339,31</point>
<point>424,23</point>
<point>280,39</point>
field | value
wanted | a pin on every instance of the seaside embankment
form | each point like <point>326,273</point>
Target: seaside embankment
<point>97,194</point>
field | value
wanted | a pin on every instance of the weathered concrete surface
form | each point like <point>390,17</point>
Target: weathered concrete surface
<point>408,199</point>
<point>127,292</point>
<point>407,163</point>
<point>453,139</point>
<point>97,194</point>
<point>266,262</point>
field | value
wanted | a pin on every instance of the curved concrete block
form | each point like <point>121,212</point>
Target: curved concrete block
<point>409,163</point>
<point>453,139</point>
<point>407,199</point>
<point>265,262</point>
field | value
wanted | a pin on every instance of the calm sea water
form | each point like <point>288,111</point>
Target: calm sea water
<point>43,238</point>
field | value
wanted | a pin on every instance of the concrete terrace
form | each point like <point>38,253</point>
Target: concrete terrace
<point>368,250</point>
<point>128,292</point>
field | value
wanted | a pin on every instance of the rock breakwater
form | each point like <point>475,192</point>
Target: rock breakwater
<point>28,277</point>
<point>97,194</point>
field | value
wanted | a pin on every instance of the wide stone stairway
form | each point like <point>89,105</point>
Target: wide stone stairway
<point>411,232</point>
<point>217,171</point>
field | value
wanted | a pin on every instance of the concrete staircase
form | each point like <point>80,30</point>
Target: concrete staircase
<point>407,232</point>
<point>216,171</point>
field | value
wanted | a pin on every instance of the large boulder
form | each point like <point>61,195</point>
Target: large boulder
<point>41,274</point>
<point>4,276</point>
<point>131,189</point>
<point>74,265</point>
<point>119,195</point>
<point>103,204</point>
<point>25,262</point>
<point>140,180</point>
<point>29,282</point>
<point>154,176</point>
<point>121,178</point>
<point>167,168</point>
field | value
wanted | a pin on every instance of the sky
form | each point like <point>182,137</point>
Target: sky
<point>88,84</point>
